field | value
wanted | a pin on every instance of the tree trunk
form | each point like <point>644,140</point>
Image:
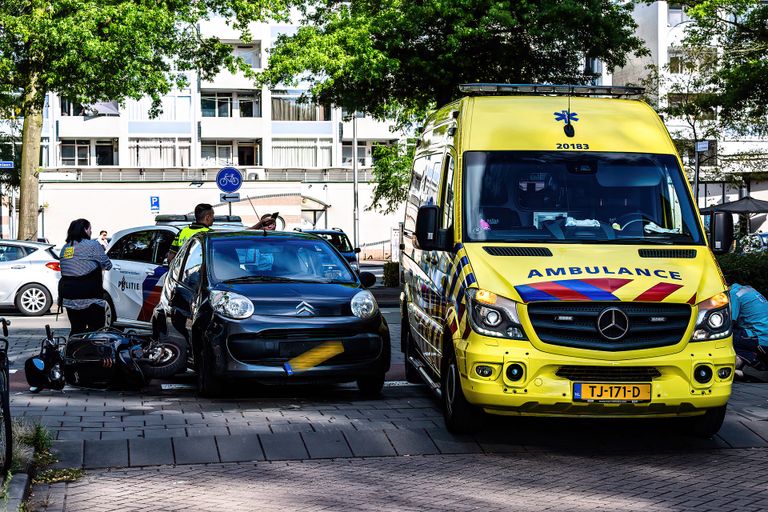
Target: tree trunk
<point>30,158</point>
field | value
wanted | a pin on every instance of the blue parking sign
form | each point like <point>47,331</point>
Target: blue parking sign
<point>154,203</point>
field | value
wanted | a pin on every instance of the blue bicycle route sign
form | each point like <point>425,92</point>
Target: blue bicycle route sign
<point>229,180</point>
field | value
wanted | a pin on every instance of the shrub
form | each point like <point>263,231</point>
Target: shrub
<point>748,268</point>
<point>391,274</point>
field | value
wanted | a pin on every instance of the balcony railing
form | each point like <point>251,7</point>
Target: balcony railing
<point>204,174</point>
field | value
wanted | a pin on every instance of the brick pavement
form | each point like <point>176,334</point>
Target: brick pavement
<point>722,481</point>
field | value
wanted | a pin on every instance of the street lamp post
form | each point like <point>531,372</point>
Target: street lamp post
<point>355,207</point>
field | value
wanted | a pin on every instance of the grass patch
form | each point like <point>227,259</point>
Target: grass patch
<point>55,476</point>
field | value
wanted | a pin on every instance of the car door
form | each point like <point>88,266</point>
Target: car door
<point>131,265</point>
<point>183,292</point>
<point>151,287</point>
<point>12,271</point>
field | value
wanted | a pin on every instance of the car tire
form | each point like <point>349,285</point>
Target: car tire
<point>208,384</point>
<point>33,300</point>
<point>412,375</point>
<point>708,424</point>
<point>370,386</point>
<point>460,416</point>
<point>109,312</point>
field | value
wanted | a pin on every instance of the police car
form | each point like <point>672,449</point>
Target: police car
<point>132,287</point>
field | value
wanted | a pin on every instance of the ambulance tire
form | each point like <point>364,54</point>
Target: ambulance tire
<point>708,424</point>
<point>461,417</point>
<point>412,375</point>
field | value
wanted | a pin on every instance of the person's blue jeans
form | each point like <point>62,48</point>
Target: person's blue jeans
<point>745,346</point>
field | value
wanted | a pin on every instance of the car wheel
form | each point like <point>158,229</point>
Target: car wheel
<point>370,386</point>
<point>208,384</point>
<point>708,424</point>
<point>412,375</point>
<point>460,416</point>
<point>34,300</point>
<point>109,311</point>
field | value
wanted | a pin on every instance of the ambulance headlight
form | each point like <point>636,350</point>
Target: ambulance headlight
<point>493,315</point>
<point>231,305</point>
<point>713,320</point>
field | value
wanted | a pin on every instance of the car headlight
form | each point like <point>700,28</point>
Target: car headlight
<point>713,321</point>
<point>493,315</point>
<point>363,304</point>
<point>232,305</point>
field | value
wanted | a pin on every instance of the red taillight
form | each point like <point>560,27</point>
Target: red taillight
<point>54,265</point>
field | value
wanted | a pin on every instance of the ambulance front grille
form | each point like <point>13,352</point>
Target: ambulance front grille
<point>608,373</point>
<point>574,324</point>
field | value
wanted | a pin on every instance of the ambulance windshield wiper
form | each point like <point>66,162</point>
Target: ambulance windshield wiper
<point>643,240</point>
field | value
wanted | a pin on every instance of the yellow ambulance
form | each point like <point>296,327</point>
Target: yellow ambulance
<point>554,263</point>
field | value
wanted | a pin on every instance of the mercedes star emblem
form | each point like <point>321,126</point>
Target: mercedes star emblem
<point>613,324</point>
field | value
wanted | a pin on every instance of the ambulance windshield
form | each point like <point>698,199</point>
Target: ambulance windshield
<point>574,197</point>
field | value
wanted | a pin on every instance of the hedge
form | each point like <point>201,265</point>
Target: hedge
<point>746,268</point>
<point>391,274</point>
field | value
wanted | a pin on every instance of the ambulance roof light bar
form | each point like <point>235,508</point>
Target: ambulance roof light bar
<point>549,89</point>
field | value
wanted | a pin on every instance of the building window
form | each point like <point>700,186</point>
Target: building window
<point>75,152</point>
<point>346,154</point>
<point>216,104</point>
<point>159,152</point>
<point>71,108</point>
<point>251,55</point>
<point>250,106</point>
<point>215,153</point>
<point>676,15</point>
<point>288,107</point>
<point>682,61</point>
<point>105,152</point>
<point>301,152</point>
<point>247,153</point>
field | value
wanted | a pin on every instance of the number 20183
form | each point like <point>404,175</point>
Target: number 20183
<point>561,145</point>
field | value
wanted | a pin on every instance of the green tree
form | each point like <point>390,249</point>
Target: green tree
<point>396,59</point>
<point>740,28</point>
<point>106,50</point>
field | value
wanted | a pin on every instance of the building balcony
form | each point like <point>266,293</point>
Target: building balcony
<point>233,128</point>
<point>226,81</point>
<point>102,127</point>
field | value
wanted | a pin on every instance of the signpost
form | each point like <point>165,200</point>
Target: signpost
<point>154,203</point>
<point>229,180</point>
<point>702,146</point>
<point>4,164</point>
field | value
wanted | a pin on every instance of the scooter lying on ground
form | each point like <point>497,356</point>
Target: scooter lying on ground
<point>102,359</point>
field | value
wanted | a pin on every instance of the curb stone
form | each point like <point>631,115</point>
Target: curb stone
<point>17,491</point>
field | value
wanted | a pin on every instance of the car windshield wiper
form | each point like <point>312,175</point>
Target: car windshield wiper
<point>259,279</point>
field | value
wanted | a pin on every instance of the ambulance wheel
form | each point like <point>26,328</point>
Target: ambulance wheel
<point>461,417</point>
<point>33,300</point>
<point>109,311</point>
<point>412,375</point>
<point>708,424</point>
<point>208,384</point>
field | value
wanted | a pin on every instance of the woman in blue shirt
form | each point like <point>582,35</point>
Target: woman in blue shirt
<point>81,286</point>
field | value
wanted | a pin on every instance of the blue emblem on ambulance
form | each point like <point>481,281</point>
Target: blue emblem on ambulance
<point>566,116</point>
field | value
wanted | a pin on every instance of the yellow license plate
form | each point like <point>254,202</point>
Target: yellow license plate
<point>596,392</point>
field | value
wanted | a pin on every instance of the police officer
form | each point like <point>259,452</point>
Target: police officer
<point>203,221</point>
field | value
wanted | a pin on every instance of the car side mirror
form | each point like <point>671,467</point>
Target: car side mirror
<point>367,279</point>
<point>357,250</point>
<point>429,236</point>
<point>721,229</point>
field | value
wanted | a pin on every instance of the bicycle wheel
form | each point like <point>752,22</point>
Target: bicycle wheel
<point>6,436</point>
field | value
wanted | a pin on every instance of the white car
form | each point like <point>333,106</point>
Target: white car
<point>29,276</point>
<point>133,285</point>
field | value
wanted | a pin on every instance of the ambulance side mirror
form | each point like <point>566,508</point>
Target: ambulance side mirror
<point>429,236</point>
<point>721,229</point>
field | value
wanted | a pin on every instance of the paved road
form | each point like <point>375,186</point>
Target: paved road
<point>325,447</point>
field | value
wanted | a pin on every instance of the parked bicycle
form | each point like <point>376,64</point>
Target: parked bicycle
<point>6,436</point>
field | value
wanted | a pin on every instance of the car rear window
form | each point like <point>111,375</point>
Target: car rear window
<point>262,258</point>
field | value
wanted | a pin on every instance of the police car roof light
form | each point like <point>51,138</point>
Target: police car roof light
<point>549,89</point>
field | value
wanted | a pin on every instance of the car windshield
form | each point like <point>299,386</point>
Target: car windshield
<point>572,197</point>
<point>338,240</point>
<point>276,259</point>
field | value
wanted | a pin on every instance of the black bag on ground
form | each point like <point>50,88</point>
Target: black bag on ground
<point>44,371</point>
<point>103,359</point>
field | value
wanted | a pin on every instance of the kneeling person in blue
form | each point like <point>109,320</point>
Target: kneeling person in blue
<point>749,311</point>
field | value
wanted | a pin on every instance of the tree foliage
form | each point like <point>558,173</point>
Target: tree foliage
<point>392,171</point>
<point>107,50</point>
<point>740,29</point>
<point>396,59</point>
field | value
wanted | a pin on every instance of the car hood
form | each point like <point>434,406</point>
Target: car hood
<point>297,299</point>
<point>599,273</point>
